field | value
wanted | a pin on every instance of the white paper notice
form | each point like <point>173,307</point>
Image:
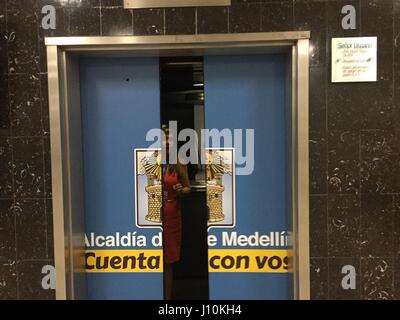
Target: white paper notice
<point>354,59</point>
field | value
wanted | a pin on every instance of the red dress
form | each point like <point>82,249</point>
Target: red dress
<point>171,218</point>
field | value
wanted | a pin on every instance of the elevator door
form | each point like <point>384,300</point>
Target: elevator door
<point>248,92</point>
<point>120,102</point>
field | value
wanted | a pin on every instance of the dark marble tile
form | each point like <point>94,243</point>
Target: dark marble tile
<point>212,20</point>
<point>319,278</point>
<point>277,16</point>
<point>2,7</point>
<point>336,275</point>
<point>84,21</point>
<point>55,3</point>
<point>318,120</point>
<point>367,105</point>
<point>44,93</point>
<point>377,20</point>
<point>343,162</point>
<point>377,278</point>
<point>23,43</point>
<point>396,67</point>
<point>28,167</point>
<point>8,281</point>
<point>318,163</point>
<point>30,281</point>
<point>112,3</point>
<point>380,168</point>
<point>116,21</point>
<point>180,21</point>
<point>343,226</point>
<point>49,229</point>
<point>19,5</point>
<point>396,292</point>
<point>311,16</point>
<point>396,228</point>
<point>318,226</point>
<point>7,231</point>
<point>6,177</point>
<point>5,122</point>
<point>245,18</point>
<point>148,22</point>
<point>31,229</point>
<point>84,3</point>
<point>47,168</point>
<point>3,44</point>
<point>25,104</point>
<point>335,17</point>
<point>377,214</point>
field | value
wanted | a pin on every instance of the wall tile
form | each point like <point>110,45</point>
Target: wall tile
<point>311,16</point>
<point>28,167</point>
<point>396,228</point>
<point>318,99</point>
<point>319,278</point>
<point>245,18</point>
<point>396,292</point>
<point>212,20</point>
<point>21,5</point>
<point>6,177</point>
<point>318,226</point>
<point>396,66</point>
<point>49,229</point>
<point>336,290</point>
<point>23,46</point>
<point>7,232</point>
<point>380,168</point>
<point>344,226</point>
<point>343,162</point>
<point>5,122</point>
<point>25,105</point>
<point>148,22</point>
<point>3,43</point>
<point>180,20</point>
<point>44,93</point>
<point>30,281</point>
<point>84,21</point>
<point>377,214</point>
<point>31,229</point>
<point>277,16</point>
<point>112,3</point>
<point>47,168</point>
<point>377,279</point>
<point>318,163</point>
<point>377,20</point>
<point>116,21</point>
<point>360,105</point>
<point>8,281</point>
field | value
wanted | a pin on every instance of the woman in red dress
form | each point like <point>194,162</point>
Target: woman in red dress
<point>175,184</point>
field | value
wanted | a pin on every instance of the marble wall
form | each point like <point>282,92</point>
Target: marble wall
<point>354,132</point>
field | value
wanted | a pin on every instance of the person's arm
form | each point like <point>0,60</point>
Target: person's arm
<point>184,188</point>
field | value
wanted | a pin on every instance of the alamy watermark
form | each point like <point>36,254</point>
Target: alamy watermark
<point>193,150</point>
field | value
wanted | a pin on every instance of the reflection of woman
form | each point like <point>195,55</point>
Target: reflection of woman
<point>175,184</point>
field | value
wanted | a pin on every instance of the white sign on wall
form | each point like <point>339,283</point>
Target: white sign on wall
<point>354,59</point>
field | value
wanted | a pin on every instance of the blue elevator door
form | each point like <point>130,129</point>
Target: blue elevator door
<point>248,92</point>
<point>120,102</point>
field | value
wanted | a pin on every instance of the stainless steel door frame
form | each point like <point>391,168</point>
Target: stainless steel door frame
<point>66,148</point>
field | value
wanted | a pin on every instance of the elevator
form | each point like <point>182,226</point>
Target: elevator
<point>246,213</point>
